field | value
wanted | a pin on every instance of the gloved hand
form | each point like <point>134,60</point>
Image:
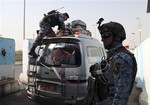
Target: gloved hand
<point>98,68</point>
<point>92,70</point>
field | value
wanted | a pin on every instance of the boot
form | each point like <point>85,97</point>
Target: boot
<point>32,52</point>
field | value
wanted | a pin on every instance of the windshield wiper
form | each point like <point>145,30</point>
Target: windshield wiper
<point>50,69</point>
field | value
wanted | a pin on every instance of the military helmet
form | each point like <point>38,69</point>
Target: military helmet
<point>116,28</point>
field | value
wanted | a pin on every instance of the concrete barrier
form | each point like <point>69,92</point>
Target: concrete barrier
<point>9,86</point>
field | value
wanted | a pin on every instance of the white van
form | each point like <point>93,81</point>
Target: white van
<point>60,74</point>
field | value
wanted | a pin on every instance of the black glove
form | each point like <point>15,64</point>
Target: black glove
<point>93,70</point>
<point>97,66</point>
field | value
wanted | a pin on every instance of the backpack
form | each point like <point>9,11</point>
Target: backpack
<point>52,12</point>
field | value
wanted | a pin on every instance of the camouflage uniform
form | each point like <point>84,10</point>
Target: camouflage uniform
<point>46,25</point>
<point>119,72</point>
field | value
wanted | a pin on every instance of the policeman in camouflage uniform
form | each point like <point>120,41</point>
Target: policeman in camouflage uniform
<point>50,20</point>
<point>118,71</point>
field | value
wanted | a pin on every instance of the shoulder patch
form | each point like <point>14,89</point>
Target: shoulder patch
<point>116,68</point>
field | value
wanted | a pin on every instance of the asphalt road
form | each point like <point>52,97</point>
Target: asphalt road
<point>18,98</point>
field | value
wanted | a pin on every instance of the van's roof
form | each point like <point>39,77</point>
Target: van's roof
<point>81,37</point>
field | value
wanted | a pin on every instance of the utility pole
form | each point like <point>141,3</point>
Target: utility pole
<point>133,41</point>
<point>24,19</point>
<point>139,28</point>
<point>94,26</point>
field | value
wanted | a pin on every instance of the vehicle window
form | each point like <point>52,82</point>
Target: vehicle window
<point>94,54</point>
<point>102,52</point>
<point>58,54</point>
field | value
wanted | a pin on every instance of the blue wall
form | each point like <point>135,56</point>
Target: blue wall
<point>9,46</point>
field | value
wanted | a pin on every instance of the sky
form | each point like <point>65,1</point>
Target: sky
<point>130,13</point>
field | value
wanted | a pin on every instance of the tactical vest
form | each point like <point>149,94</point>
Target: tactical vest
<point>123,49</point>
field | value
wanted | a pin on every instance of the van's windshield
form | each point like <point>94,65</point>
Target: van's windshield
<point>61,53</point>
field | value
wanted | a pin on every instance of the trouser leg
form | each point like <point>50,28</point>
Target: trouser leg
<point>45,30</point>
<point>37,42</point>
